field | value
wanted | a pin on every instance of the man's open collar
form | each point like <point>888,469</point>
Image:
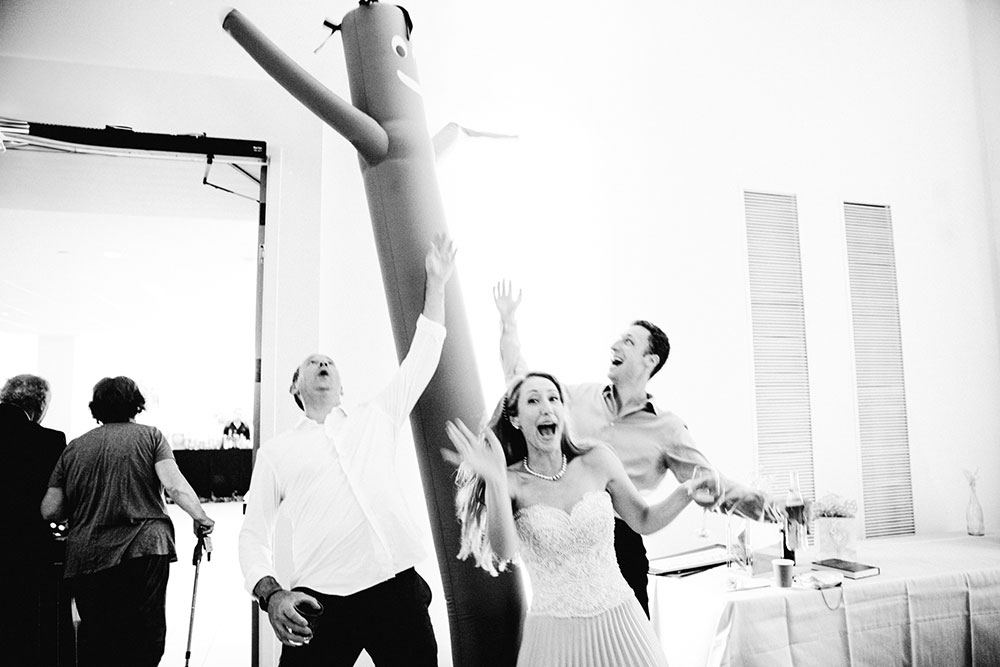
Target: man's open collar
<point>611,395</point>
<point>304,420</point>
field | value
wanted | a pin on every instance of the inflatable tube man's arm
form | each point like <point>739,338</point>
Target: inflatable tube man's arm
<point>364,133</point>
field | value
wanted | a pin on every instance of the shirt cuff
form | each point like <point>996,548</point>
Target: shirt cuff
<point>435,329</point>
<point>253,576</point>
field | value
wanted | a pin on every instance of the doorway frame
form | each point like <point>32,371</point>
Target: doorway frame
<point>117,141</point>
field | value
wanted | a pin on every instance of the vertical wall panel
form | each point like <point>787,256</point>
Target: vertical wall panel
<point>781,372</point>
<point>878,358</point>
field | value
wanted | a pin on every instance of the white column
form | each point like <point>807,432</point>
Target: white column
<point>56,363</point>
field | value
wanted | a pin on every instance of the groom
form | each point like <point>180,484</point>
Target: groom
<point>621,413</point>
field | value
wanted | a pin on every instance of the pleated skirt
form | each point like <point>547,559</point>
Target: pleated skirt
<point>619,637</point>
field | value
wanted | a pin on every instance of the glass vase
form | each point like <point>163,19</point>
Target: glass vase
<point>836,537</point>
<point>974,514</point>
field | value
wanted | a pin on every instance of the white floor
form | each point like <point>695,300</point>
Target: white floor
<point>222,611</point>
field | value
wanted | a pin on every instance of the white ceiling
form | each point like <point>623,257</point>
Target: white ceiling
<point>161,35</point>
<point>92,241</point>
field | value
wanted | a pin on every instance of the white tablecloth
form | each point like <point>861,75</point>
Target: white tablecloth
<point>936,602</point>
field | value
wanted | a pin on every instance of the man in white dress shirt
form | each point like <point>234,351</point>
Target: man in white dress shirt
<point>354,543</point>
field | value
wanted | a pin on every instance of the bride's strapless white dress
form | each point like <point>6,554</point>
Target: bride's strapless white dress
<point>582,614</point>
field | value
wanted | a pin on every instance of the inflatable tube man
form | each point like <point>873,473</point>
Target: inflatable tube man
<point>387,126</point>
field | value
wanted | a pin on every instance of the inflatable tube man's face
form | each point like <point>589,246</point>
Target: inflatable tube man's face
<point>384,81</point>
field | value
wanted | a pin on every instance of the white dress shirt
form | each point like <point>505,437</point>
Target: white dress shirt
<point>336,482</point>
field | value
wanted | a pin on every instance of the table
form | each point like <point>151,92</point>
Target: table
<point>216,473</point>
<point>936,602</point>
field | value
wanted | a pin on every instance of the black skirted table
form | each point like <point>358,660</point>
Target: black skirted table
<point>216,473</point>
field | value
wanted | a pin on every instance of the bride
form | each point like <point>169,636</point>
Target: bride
<point>528,490</point>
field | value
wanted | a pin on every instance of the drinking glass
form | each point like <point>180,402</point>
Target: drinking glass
<point>707,495</point>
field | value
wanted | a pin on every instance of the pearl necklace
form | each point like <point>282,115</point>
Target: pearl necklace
<point>547,478</point>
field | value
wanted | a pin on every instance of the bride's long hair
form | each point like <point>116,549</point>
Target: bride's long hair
<point>470,500</point>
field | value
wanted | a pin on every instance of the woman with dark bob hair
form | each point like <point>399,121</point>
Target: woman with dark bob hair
<point>109,484</point>
<point>116,400</point>
<point>527,490</point>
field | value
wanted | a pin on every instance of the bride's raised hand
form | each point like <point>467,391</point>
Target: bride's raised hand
<point>482,453</point>
<point>503,297</point>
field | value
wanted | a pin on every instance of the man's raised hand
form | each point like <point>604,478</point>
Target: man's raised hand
<point>440,260</point>
<point>503,297</point>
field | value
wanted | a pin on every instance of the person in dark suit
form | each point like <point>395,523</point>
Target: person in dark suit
<point>33,568</point>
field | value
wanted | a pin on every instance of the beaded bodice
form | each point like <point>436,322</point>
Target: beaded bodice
<point>570,557</point>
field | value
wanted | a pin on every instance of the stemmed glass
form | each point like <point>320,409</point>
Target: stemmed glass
<point>708,493</point>
<point>738,542</point>
<point>739,516</point>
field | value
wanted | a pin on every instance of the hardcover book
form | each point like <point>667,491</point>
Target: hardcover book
<point>689,562</point>
<point>848,568</point>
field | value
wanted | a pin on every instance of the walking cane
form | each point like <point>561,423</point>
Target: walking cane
<point>204,545</point>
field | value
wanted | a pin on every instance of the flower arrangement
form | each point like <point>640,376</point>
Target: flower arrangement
<point>836,527</point>
<point>832,505</point>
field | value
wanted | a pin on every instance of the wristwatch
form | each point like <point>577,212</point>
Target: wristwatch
<point>265,600</point>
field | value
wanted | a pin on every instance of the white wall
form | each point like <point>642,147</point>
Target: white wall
<point>639,131</point>
<point>622,198</point>
<point>640,126</point>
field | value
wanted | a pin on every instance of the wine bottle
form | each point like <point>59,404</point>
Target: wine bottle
<point>795,518</point>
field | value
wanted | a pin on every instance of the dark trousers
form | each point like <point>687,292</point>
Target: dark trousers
<point>122,618</point>
<point>389,620</point>
<point>40,632</point>
<point>632,561</point>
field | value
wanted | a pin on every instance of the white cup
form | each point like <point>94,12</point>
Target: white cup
<point>782,572</point>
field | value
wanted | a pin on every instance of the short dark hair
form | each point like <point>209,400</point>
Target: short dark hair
<point>291,389</point>
<point>659,344</point>
<point>116,400</point>
<point>28,392</point>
